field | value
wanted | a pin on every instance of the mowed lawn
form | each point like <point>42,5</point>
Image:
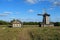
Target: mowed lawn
<point>30,33</point>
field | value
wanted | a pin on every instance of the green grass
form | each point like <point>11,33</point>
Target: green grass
<point>30,33</point>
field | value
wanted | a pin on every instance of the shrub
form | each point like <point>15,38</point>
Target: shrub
<point>57,24</point>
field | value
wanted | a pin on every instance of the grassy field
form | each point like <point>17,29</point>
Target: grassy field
<point>30,33</point>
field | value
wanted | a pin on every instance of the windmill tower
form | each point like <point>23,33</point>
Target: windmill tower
<point>46,19</point>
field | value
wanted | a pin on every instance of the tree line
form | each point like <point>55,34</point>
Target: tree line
<point>4,22</point>
<point>27,23</point>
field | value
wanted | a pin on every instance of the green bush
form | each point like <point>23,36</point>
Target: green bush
<point>57,23</point>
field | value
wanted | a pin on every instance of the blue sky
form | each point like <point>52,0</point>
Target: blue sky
<point>27,10</point>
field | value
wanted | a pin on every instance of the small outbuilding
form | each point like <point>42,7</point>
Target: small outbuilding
<point>16,23</point>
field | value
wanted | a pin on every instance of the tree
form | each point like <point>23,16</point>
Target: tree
<point>4,22</point>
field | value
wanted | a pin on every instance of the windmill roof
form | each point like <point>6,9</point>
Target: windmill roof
<point>46,14</point>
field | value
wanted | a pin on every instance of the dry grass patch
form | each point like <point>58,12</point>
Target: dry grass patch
<point>30,33</point>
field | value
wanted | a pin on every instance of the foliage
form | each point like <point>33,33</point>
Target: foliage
<point>4,22</point>
<point>30,23</point>
<point>57,23</point>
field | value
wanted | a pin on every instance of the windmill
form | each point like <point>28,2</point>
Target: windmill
<point>46,21</point>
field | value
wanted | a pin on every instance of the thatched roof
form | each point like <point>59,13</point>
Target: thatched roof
<point>16,22</point>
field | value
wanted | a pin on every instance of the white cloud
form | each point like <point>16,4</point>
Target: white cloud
<point>30,10</point>
<point>8,0</point>
<point>42,0</point>
<point>3,14</point>
<point>56,3</point>
<point>7,12</point>
<point>32,1</point>
<point>36,1</point>
<point>51,8</point>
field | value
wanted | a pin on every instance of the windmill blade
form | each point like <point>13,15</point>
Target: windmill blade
<point>40,14</point>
